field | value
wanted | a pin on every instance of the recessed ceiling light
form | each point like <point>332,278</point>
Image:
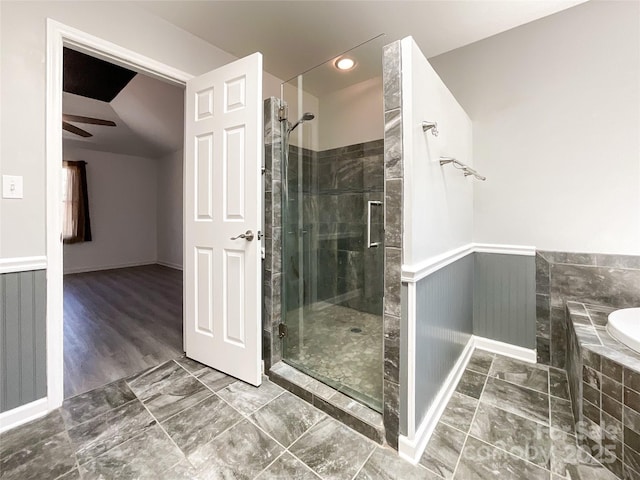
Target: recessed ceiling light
<point>345,63</point>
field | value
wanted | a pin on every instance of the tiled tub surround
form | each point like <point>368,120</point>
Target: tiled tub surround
<point>604,377</point>
<point>597,279</point>
<point>182,420</point>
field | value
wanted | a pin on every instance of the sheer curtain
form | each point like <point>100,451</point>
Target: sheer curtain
<point>76,226</point>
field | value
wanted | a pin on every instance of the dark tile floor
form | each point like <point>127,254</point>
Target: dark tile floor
<point>181,420</point>
<point>510,420</point>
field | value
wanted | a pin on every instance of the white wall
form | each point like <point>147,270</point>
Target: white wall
<point>555,106</point>
<point>122,206</point>
<point>438,200</point>
<point>352,115</point>
<point>170,226</point>
<point>22,96</point>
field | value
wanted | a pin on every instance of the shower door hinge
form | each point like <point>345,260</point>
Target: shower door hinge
<point>263,170</point>
<point>282,330</point>
<point>283,113</point>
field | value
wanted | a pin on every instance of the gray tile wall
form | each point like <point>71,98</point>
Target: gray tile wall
<point>23,363</point>
<point>272,265</point>
<point>393,189</point>
<point>334,188</point>
<point>504,298</point>
<point>444,324</point>
<point>612,280</point>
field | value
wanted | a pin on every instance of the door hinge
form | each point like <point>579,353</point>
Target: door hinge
<point>282,330</point>
<point>283,113</point>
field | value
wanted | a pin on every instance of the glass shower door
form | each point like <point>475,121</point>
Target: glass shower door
<point>333,238</point>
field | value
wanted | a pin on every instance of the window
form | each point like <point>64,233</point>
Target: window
<point>76,226</point>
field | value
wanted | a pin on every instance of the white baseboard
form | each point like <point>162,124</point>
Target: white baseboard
<point>108,267</point>
<point>175,266</point>
<point>23,414</point>
<point>513,351</point>
<point>412,449</point>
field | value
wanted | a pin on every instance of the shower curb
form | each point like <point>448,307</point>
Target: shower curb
<point>362,419</point>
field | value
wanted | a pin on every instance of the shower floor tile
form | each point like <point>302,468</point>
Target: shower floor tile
<point>341,347</point>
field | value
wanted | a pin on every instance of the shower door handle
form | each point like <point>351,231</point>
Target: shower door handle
<point>248,236</point>
<point>369,205</point>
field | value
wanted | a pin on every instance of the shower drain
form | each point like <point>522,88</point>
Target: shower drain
<point>356,330</point>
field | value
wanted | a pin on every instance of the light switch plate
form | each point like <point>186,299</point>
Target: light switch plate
<point>12,186</point>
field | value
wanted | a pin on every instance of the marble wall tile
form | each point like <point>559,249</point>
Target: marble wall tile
<point>543,350</point>
<point>391,412</point>
<point>391,76</point>
<point>558,337</point>
<point>543,316</point>
<point>393,144</point>
<point>393,213</point>
<point>597,285</point>
<point>618,261</point>
<point>392,281</point>
<point>391,352</point>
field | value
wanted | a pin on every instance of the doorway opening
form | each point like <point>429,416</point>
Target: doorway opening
<point>122,219</point>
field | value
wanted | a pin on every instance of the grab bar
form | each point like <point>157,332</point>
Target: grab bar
<point>466,170</point>
<point>369,205</point>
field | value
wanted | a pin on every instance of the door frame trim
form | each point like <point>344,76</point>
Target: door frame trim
<point>58,36</point>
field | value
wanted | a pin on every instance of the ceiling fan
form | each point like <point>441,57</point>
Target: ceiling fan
<point>80,119</point>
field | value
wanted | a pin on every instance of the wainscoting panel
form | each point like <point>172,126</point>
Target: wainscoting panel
<point>504,306</point>
<point>444,324</point>
<point>22,338</point>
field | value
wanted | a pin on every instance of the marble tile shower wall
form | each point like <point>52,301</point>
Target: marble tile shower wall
<point>393,198</point>
<point>272,265</point>
<point>334,188</point>
<point>599,279</point>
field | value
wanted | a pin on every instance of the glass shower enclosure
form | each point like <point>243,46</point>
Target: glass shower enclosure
<point>333,234</point>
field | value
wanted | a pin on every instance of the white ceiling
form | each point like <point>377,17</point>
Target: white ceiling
<point>295,36</point>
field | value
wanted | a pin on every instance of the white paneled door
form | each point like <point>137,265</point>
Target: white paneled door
<point>223,205</point>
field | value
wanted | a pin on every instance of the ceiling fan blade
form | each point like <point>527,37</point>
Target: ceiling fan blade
<point>92,121</point>
<point>73,129</point>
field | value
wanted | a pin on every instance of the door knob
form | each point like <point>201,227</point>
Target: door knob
<point>248,236</point>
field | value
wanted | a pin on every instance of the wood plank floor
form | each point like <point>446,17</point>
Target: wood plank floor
<point>119,322</point>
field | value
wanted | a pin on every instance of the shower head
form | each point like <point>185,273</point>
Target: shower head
<point>307,116</point>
